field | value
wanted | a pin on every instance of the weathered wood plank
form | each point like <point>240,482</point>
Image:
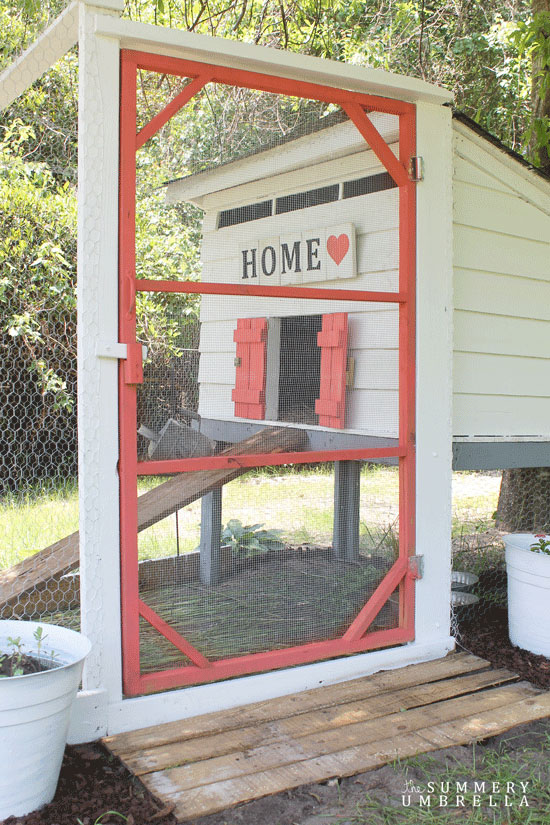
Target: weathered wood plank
<point>217,796</point>
<point>326,696</point>
<point>294,750</point>
<point>185,488</point>
<point>310,723</point>
<point>37,571</point>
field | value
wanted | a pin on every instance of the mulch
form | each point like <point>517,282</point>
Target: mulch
<point>93,782</point>
<point>486,635</point>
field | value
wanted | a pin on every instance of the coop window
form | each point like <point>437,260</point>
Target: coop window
<point>243,214</point>
<point>368,185</point>
<point>303,200</point>
<point>305,369</point>
<point>299,369</point>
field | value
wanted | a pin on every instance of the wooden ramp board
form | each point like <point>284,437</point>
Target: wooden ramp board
<point>38,571</point>
<point>208,763</point>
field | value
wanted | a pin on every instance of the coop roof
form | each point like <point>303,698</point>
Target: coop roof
<point>460,117</point>
<point>331,137</point>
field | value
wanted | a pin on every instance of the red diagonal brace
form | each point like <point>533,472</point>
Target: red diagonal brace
<point>361,623</point>
<point>376,142</point>
<point>170,110</point>
<point>172,635</point>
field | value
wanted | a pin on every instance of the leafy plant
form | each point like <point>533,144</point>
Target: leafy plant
<point>19,663</point>
<point>542,545</point>
<point>101,821</point>
<point>250,540</point>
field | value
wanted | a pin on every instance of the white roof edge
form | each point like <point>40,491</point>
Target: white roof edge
<point>524,171</point>
<point>290,65</point>
<point>51,45</point>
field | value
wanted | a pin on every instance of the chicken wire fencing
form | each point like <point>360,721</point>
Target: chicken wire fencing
<point>38,424</point>
<point>479,584</point>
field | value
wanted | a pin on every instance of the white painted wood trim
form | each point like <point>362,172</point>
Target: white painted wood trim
<point>131,714</point>
<point>492,160</point>
<point>190,46</point>
<point>500,439</point>
<point>47,49</point>
<point>434,370</point>
<point>97,295</point>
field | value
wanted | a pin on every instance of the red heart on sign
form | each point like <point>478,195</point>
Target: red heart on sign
<point>337,247</point>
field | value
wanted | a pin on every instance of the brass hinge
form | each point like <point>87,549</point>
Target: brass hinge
<point>237,362</point>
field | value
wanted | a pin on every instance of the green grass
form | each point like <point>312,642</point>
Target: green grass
<point>35,519</point>
<point>299,503</point>
<point>503,763</point>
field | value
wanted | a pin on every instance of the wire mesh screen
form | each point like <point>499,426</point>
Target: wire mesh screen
<point>250,194</point>
<point>255,362</point>
<point>271,576</point>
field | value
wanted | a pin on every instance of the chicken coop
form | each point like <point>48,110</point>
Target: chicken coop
<point>267,429</point>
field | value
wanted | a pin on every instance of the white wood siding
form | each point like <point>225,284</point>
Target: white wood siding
<point>372,404</point>
<point>501,293</point>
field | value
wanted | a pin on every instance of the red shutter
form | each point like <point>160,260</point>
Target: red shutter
<point>333,340</point>
<point>249,393</point>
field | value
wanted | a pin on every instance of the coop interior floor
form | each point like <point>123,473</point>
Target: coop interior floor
<point>212,762</point>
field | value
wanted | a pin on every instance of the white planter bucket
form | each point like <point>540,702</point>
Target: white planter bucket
<point>528,594</point>
<point>34,717</point>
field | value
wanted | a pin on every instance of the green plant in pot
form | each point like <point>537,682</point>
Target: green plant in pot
<point>40,670</point>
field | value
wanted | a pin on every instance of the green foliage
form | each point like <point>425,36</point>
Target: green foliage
<point>541,546</point>
<point>532,38</point>
<point>18,663</point>
<point>37,314</point>
<point>250,540</point>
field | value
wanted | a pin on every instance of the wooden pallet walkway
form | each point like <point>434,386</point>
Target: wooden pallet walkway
<point>208,763</point>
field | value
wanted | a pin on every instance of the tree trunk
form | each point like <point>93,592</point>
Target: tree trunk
<point>540,102</point>
<point>524,501</point>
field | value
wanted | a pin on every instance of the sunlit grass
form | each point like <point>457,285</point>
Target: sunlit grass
<point>298,503</point>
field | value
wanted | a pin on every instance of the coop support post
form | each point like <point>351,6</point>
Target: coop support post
<point>97,291</point>
<point>434,353</point>
<point>346,509</point>
<point>211,528</point>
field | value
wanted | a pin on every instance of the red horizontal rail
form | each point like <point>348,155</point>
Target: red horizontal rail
<point>220,462</point>
<point>256,662</point>
<point>264,82</point>
<point>196,287</point>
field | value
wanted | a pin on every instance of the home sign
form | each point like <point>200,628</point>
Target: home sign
<point>301,257</point>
